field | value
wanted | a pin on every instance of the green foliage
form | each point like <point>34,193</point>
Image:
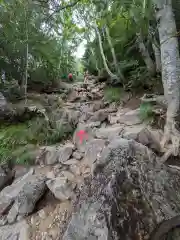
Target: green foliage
<point>19,142</point>
<point>146,112</point>
<point>24,24</point>
<point>11,90</point>
<point>113,94</point>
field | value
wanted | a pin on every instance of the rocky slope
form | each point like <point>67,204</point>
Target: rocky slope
<point>110,186</point>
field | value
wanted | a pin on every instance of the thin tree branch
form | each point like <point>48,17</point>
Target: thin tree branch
<point>62,8</point>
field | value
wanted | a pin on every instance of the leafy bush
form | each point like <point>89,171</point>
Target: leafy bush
<point>113,94</point>
<point>12,91</point>
<point>146,112</point>
<point>19,142</point>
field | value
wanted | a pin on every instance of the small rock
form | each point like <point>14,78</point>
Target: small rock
<point>94,124</point>
<point>65,152</point>
<point>52,154</point>
<point>71,162</point>
<point>68,175</point>
<point>50,175</point>
<point>131,118</point>
<point>61,188</point>
<point>3,220</point>
<point>33,221</point>
<point>75,169</point>
<point>109,132</point>
<point>99,116</point>
<point>113,119</point>
<point>73,96</point>
<point>77,155</point>
<point>42,214</point>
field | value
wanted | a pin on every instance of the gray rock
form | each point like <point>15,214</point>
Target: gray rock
<point>144,135</point>
<point>94,124</point>
<point>99,116</point>
<point>19,199</point>
<point>6,175</point>
<point>81,145</point>
<point>71,162</point>
<point>52,154</point>
<point>130,118</point>
<point>26,200</point>
<point>97,105</point>
<point>109,132</point>
<point>93,150</point>
<point>129,194</point>
<point>17,231</point>
<point>86,225</point>
<point>77,155</point>
<point>112,119</point>
<point>85,116</point>
<point>61,188</point>
<point>65,152</point>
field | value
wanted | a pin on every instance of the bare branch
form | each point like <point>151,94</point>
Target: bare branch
<point>62,8</point>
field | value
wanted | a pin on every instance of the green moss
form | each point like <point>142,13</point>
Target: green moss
<point>113,94</point>
<point>146,112</point>
<point>19,142</point>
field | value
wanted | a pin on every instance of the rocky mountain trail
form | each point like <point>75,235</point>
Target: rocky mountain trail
<point>108,186</point>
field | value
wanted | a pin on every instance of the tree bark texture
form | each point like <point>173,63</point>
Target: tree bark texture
<point>102,54</point>
<point>120,74</point>
<point>170,61</point>
<point>157,54</point>
<point>145,55</point>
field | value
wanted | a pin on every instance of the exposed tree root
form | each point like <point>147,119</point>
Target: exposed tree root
<point>155,99</point>
<point>171,134</point>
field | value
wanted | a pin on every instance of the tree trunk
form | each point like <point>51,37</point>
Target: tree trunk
<point>157,54</point>
<point>26,71</point>
<point>93,54</point>
<point>145,54</point>
<point>170,69</point>
<point>103,56</point>
<point>26,53</point>
<point>96,62</point>
<point>120,74</point>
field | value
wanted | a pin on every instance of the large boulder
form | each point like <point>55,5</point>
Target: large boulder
<point>100,115</point>
<point>50,155</point>
<point>131,117</point>
<point>19,199</point>
<point>109,132</point>
<point>87,136</point>
<point>62,188</point>
<point>93,150</point>
<point>145,135</point>
<point>128,195</point>
<point>125,116</point>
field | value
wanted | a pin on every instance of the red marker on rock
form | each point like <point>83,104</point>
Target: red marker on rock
<point>82,135</point>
